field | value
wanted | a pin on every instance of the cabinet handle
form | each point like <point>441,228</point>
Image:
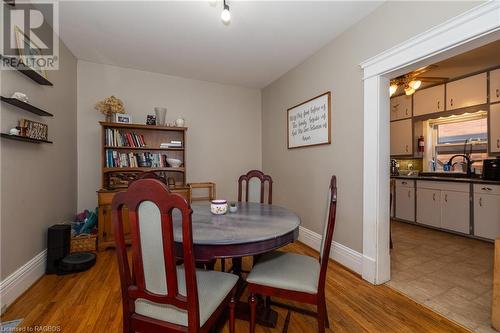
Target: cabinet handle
<point>434,196</point>
<point>451,101</point>
<point>438,104</point>
<point>498,143</point>
<point>487,189</point>
<point>446,198</point>
<point>406,148</point>
<point>404,183</point>
<point>409,193</point>
<point>498,92</point>
<point>480,202</point>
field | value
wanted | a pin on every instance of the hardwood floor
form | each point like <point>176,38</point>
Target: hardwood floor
<point>90,302</point>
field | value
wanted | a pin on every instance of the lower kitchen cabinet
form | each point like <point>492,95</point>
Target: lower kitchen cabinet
<point>487,211</point>
<point>429,207</point>
<point>405,200</point>
<point>455,211</point>
<point>444,205</point>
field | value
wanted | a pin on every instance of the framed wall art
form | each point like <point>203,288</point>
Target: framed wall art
<point>309,123</point>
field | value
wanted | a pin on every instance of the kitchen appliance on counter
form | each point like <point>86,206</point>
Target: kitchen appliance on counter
<point>491,169</point>
<point>394,168</point>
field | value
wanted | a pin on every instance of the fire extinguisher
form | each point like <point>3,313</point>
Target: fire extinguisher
<point>421,144</point>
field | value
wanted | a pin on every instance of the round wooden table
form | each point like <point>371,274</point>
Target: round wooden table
<point>254,229</point>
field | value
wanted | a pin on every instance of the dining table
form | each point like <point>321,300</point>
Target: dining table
<point>252,230</point>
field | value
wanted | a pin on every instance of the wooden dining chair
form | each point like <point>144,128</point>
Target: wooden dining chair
<point>254,182</point>
<point>157,294</point>
<point>296,277</point>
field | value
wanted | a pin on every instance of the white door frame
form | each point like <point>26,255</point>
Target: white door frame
<point>467,31</point>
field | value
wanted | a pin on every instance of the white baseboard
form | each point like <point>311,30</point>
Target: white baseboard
<point>340,253</point>
<point>18,282</point>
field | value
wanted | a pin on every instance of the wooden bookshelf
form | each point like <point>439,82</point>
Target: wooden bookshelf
<point>153,137</point>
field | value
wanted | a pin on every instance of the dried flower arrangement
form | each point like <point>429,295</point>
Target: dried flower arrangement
<point>109,106</point>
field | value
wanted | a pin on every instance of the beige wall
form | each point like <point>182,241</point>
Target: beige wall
<point>38,186</point>
<point>224,123</point>
<point>301,175</point>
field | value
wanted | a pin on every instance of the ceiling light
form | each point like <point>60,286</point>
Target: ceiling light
<point>225,16</point>
<point>415,84</point>
<point>409,90</point>
<point>392,89</point>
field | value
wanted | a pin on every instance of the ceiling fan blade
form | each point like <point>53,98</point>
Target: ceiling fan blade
<point>432,79</point>
<point>422,70</point>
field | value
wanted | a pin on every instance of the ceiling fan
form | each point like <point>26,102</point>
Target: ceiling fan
<point>412,81</point>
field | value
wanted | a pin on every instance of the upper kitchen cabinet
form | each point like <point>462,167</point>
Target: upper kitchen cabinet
<point>467,92</point>
<point>495,86</point>
<point>428,100</point>
<point>401,107</point>
<point>494,126</point>
<point>402,138</point>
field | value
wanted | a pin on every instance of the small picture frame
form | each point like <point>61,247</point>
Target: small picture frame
<point>123,118</point>
<point>151,119</point>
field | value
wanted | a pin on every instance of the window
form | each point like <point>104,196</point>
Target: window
<point>466,134</point>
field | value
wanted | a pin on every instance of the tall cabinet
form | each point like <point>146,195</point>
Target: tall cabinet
<point>128,150</point>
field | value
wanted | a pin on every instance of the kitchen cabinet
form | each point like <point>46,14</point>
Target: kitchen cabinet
<point>455,211</point>
<point>405,200</point>
<point>494,128</point>
<point>402,138</point>
<point>429,207</point>
<point>487,211</point>
<point>444,205</point>
<point>466,92</point>
<point>429,100</point>
<point>495,86</point>
<point>401,107</point>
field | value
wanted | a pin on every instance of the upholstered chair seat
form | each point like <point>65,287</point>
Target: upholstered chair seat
<point>213,288</point>
<point>286,270</point>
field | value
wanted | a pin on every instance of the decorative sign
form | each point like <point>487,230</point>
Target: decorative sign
<point>309,122</point>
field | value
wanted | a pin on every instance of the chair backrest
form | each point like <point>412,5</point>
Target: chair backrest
<point>255,181</point>
<point>154,272</point>
<point>329,227</point>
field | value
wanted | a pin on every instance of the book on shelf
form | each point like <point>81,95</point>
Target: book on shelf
<point>115,159</point>
<point>118,138</point>
<point>171,144</point>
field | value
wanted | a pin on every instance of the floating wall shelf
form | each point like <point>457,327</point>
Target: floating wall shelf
<point>26,106</point>
<point>31,74</point>
<point>23,138</point>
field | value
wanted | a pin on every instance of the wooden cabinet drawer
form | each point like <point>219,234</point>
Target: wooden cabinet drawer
<point>405,183</point>
<point>487,189</point>
<point>444,186</point>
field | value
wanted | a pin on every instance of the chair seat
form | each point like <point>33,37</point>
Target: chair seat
<point>213,288</point>
<point>285,270</point>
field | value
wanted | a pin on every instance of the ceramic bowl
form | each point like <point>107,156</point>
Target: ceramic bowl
<point>218,207</point>
<point>174,163</point>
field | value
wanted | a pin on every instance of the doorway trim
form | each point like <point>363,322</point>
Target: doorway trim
<point>457,35</point>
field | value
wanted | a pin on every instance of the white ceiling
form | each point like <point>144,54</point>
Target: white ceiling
<point>188,39</point>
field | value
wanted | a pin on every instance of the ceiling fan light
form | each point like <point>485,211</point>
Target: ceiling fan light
<point>392,89</point>
<point>225,16</point>
<point>415,84</point>
<point>409,90</point>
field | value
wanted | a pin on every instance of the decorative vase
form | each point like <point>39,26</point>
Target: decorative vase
<point>179,122</point>
<point>161,114</point>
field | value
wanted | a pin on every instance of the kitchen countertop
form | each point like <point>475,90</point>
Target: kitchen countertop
<point>450,179</point>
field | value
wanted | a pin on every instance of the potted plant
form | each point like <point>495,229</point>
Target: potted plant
<point>110,106</point>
